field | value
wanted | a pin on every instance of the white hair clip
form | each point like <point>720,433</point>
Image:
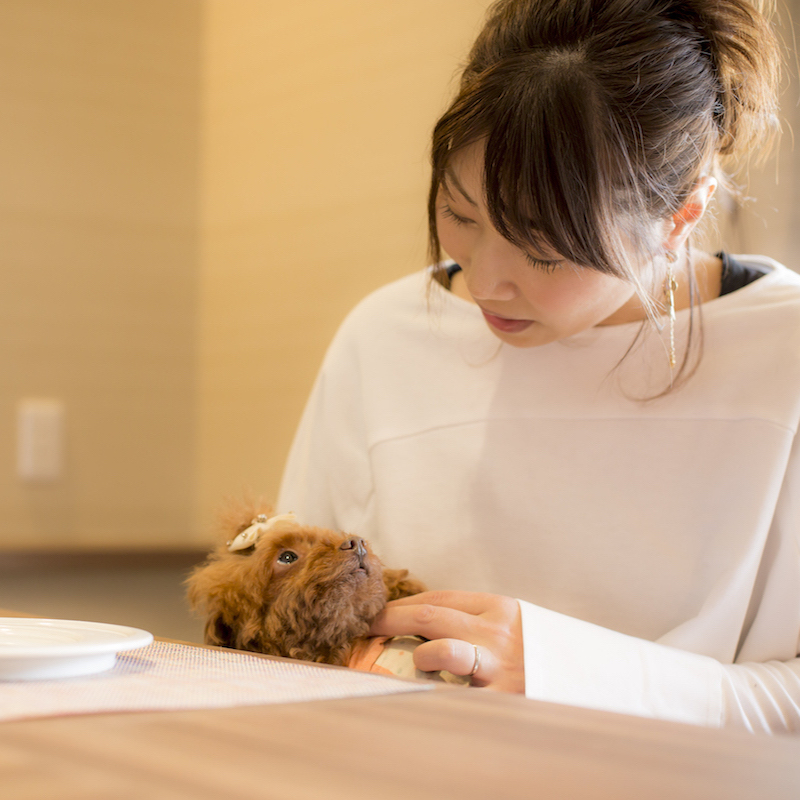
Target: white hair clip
<point>260,525</point>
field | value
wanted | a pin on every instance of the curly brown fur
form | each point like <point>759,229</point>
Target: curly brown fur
<point>302,592</point>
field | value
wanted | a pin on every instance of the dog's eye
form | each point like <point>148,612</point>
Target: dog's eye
<point>287,557</point>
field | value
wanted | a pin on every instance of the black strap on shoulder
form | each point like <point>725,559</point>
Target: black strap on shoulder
<point>736,275</point>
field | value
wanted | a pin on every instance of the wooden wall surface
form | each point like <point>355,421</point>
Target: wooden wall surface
<point>99,145</point>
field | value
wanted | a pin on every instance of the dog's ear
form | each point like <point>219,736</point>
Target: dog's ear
<point>219,633</point>
<point>218,590</point>
<point>400,584</point>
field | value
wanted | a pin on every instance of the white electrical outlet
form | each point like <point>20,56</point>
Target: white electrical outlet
<point>40,439</point>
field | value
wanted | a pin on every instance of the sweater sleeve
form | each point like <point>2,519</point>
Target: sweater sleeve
<point>574,662</point>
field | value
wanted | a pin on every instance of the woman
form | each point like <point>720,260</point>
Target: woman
<point>581,410</point>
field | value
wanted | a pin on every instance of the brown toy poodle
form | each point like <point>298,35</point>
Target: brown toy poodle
<point>286,589</point>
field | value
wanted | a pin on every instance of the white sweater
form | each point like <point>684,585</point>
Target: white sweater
<point>655,545</point>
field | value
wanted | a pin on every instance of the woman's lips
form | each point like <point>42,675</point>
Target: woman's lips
<point>506,325</point>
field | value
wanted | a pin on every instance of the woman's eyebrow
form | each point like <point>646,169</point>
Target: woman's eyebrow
<point>450,177</point>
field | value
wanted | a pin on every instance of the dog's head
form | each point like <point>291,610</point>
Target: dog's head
<point>282,588</point>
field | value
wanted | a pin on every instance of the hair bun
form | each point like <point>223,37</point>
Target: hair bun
<point>746,57</point>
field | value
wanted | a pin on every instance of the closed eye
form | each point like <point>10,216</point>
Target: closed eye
<point>448,212</point>
<point>287,557</point>
<point>545,266</point>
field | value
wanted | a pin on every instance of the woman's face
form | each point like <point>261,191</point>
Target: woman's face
<point>527,298</point>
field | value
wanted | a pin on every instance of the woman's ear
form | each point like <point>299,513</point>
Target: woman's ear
<point>684,220</point>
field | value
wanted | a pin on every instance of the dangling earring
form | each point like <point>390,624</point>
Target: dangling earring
<point>670,287</point>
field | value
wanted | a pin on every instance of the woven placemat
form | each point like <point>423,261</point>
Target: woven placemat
<point>170,676</point>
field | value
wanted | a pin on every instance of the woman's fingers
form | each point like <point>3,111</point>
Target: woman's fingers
<point>429,621</point>
<point>451,614</point>
<point>458,657</point>
<point>468,602</point>
<point>467,631</point>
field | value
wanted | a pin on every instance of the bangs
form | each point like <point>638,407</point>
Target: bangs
<point>551,168</point>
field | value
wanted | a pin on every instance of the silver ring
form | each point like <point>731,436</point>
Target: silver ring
<point>477,664</point>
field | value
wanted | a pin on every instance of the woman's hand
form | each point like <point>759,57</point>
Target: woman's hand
<point>456,623</point>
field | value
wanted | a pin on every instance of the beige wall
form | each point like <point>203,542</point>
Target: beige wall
<point>316,127</point>
<point>194,194</point>
<point>98,220</point>
<point>769,220</point>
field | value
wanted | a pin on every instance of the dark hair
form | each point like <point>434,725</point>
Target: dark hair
<point>599,116</point>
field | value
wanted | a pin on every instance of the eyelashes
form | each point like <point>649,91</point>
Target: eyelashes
<point>448,212</point>
<point>538,263</point>
<point>544,266</point>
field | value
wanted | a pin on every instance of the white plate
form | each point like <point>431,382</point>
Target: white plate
<point>38,649</point>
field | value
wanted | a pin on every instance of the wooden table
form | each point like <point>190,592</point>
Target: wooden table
<point>449,743</point>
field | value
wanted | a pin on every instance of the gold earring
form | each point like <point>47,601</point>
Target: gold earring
<point>670,287</point>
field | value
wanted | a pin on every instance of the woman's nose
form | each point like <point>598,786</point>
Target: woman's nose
<point>488,276</point>
<point>485,282</point>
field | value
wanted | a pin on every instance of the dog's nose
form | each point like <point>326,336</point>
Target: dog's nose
<point>355,543</point>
